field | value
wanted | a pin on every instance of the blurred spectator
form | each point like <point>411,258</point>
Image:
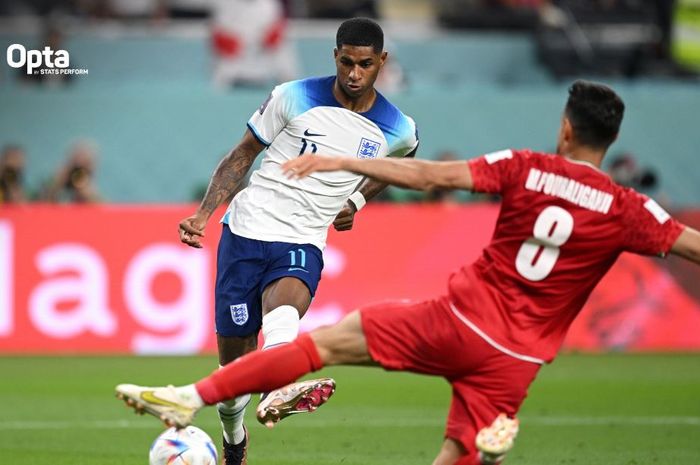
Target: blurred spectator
<point>486,14</point>
<point>663,11</point>
<point>342,9</point>
<point>624,170</point>
<point>137,9</point>
<point>189,9</point>
<point>35,7</point>
<point>586,37</point>
<point>12,161</point>
<point>74,181</point>
<point>250,43</point>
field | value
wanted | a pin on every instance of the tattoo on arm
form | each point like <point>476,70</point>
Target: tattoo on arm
<point>227,177</point>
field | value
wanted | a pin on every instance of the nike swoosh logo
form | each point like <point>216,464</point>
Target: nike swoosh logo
<point>311,134</point>
<point>151,398</point>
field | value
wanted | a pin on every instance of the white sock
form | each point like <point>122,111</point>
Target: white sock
<point>280,326</point>
<point>190,394</point>
<point>231,414</point>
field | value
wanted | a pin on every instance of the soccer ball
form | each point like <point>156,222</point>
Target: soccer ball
<point>185,446</point>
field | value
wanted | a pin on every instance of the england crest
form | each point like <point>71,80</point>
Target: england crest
<point>239,314</point>
<point>368,149</point>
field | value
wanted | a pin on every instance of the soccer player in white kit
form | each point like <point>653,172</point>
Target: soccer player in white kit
<point>269,260</point>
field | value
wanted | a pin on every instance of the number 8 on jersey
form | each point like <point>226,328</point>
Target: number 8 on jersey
<point>538,255</point>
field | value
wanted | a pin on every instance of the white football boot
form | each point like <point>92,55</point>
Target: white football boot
<point>170,405</point>
<point>493,442</point>
<point>301,397</point>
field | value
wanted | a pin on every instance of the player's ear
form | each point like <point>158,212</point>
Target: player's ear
<point>383,57</point>
<point>335,53</point>
<point>567,130</point>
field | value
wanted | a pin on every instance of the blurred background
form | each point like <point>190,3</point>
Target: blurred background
<point>160,90</point>
<point>99,164</point>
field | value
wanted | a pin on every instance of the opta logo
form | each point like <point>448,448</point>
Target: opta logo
<point>18,56</point>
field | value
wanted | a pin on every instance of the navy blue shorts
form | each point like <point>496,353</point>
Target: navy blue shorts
<point>245,267</point>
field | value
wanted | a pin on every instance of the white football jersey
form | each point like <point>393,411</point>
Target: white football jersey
<point>305,117</point>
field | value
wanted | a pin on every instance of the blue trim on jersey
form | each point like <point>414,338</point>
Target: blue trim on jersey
<point>394,124</point>
<point>227,216</point>
<point>318,92</point>
<point>257,135</point>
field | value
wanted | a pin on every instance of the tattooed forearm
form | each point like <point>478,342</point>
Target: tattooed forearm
<point>227,177</point>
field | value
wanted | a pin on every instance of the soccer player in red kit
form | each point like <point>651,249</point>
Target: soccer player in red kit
<point>562,224</point>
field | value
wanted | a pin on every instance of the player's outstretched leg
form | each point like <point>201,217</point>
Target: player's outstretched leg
<point>174,406</point>
<point>255,372</point>
<point>493,442</point>
<point>300,397</point>
<point>261,371</point>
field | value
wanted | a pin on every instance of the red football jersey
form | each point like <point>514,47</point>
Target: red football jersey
<point>562,225</point>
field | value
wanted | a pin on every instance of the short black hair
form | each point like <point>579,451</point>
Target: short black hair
<point>595,112</point>
<point>362,32</point>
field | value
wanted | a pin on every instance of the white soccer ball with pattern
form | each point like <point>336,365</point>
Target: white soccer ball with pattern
<point>185,446</point>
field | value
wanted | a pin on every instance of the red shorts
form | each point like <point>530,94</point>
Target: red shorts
<point>427,337</point>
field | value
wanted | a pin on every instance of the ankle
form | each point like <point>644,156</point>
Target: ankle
<point>190,395</point>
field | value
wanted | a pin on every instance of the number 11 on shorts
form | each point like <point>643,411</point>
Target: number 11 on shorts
<point>302,258</point>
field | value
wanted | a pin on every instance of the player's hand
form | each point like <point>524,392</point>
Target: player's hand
<point>344,220</point>
<point>192,230</point>
<point>306,164</point>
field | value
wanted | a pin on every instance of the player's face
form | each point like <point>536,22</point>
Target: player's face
<point>357,69</point>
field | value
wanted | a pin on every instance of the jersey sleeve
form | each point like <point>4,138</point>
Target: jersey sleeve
<point>495,172</point>
<point>407,141</point>
<point>649,229</point>
<point>272,116</point>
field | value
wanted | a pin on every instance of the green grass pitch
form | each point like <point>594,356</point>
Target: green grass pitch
<point>587,410</point>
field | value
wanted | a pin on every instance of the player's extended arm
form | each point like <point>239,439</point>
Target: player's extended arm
<point>225,180</point>
<point>413,174</point>
<point>688,245</point>
<point>369,188</point>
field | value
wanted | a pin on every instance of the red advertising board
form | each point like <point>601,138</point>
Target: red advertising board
<point>115,279</point>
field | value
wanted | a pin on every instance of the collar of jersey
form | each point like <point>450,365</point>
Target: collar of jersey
<point>585,163</point>
<point>371,114</point>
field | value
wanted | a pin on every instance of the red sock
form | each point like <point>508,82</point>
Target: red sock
<point>261,371</point>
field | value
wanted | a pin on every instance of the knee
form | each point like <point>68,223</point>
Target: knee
<point>323,340</point>
<point>343,343</point>
<point>280,326</point>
